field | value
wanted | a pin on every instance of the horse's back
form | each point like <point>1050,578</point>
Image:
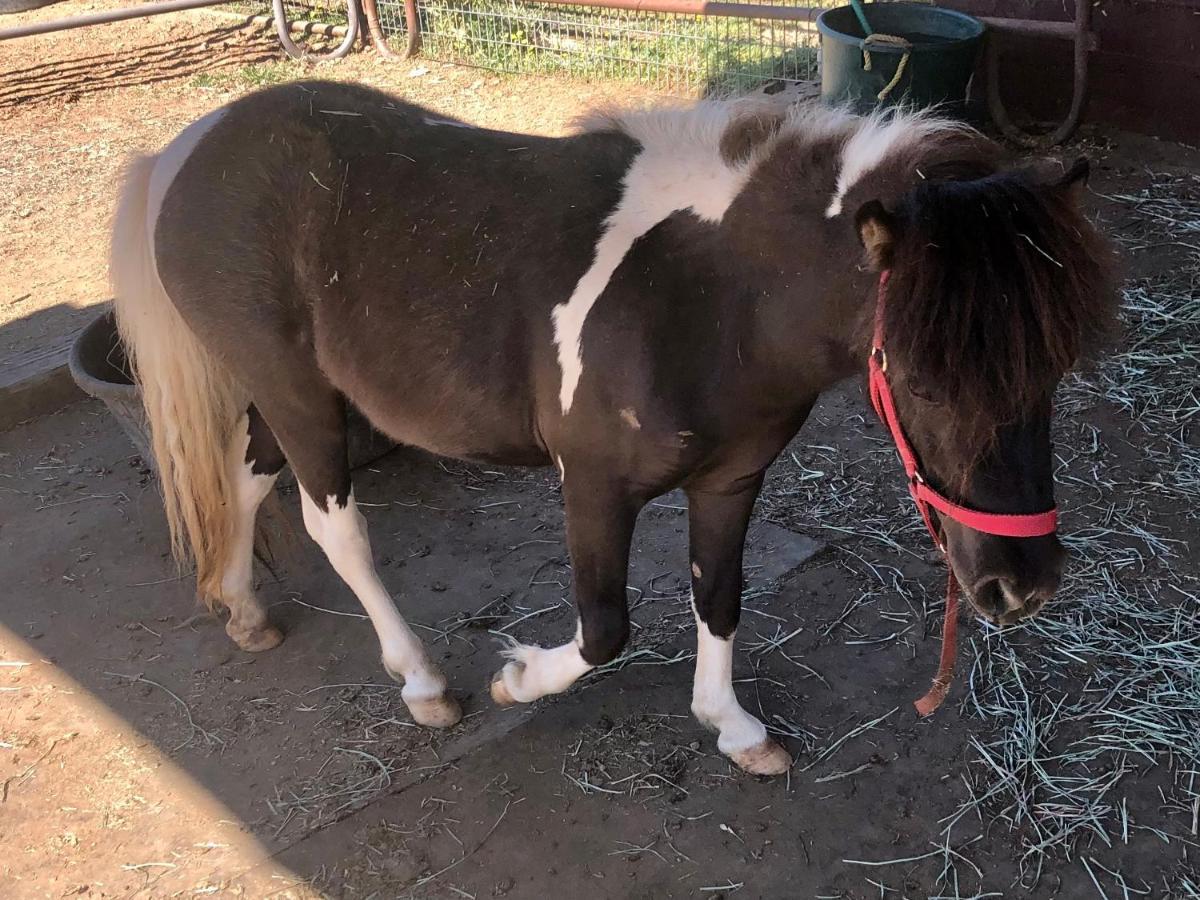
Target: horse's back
<point>417,257</point>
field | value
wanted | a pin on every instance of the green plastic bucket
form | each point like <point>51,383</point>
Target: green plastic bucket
<point>943,48</point>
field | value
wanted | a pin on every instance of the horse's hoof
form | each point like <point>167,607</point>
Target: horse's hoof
<point>499,690</point>
<point>440,712</point>
<point>767,758</point>
<point>256,640</point>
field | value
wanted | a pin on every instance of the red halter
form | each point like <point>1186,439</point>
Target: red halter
<point>1005,525</point>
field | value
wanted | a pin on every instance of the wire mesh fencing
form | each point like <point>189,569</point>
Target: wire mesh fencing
<point>693,54</point>
<point>669,51</point>
<point>323,12</point>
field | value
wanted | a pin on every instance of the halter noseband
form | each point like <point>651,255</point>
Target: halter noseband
<point>1003,524</point>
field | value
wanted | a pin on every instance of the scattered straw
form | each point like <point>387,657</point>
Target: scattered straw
<point>211,739</point>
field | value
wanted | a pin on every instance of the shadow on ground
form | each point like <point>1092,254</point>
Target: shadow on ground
<point>609,791</point>
<point>215,49</point>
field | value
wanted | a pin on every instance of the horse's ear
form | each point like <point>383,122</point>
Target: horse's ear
<point>1074,182</point>
<point>877,231</point>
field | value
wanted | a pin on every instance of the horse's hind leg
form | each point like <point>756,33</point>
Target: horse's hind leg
<point>252,465</point>
<point>309,421</point>
<point>717,524</point>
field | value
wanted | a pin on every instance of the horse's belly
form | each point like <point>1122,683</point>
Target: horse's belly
<point>478,428</point>
<point>450,383</point>
<point>481,442</point>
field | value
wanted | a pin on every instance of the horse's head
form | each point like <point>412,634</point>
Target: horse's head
<point>996,287</point>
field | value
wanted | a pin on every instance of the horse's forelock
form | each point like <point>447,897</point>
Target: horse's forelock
<point>1000,285</point>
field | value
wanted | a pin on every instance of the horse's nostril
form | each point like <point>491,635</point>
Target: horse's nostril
<point>1004,600</point>
<point>1014,599</point>
<point>989,596</point>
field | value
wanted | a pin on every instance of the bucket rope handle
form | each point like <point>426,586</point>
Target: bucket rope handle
<point>889,40</point>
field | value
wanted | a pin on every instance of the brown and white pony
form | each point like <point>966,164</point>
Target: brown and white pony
<point>654,302</point>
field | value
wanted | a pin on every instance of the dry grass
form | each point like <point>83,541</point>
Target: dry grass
<point>378,744</point>
<point>640,757</point>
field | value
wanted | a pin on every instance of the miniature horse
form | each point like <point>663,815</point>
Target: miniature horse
<point>656,301</point>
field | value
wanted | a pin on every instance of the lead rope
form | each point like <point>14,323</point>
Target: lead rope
<point>945,673</point>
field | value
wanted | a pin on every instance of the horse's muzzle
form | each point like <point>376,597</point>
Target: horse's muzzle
<point>1015,576</point>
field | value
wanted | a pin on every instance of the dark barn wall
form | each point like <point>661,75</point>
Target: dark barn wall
<point>1145,76</point>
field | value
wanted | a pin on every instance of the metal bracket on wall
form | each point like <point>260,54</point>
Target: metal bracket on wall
<point>1084,39</point>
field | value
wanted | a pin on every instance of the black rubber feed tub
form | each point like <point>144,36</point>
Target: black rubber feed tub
<point>100,367</point>
<point>939,53</point>
<point>16,6</point>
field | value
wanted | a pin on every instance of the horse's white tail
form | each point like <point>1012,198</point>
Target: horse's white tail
<point>192,402</point>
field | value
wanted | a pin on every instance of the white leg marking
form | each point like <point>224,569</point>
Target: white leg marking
<point>342,534</point>
<point>713,700</point>
<point>679,168</point>
<point>537,671</point>
<point>247,618</point>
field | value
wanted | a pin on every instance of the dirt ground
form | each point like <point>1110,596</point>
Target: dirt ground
<point>143,755</point>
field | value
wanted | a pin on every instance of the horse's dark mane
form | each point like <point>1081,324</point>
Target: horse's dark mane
<point>999,286</point>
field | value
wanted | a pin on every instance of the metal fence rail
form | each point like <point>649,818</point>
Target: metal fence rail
<point>670,51</point>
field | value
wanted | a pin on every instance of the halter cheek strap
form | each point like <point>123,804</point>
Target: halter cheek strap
<point>926,498</point>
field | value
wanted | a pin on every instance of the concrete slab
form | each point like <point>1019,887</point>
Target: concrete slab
<point>35,381</point>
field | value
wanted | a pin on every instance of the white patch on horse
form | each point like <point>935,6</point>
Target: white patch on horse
<point>679,168</point>
<point>713,701</point>
<point>562,470</point>
<point>537,671</point>
<point>341,531</point>
<point>696,573</point>
<point>629,417</point>
<point>247,624</point>
<point>874,140</point>
<point>170,161</point>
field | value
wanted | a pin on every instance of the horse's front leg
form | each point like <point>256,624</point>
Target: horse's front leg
<point>600,521</point>
<point>717,524</point>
